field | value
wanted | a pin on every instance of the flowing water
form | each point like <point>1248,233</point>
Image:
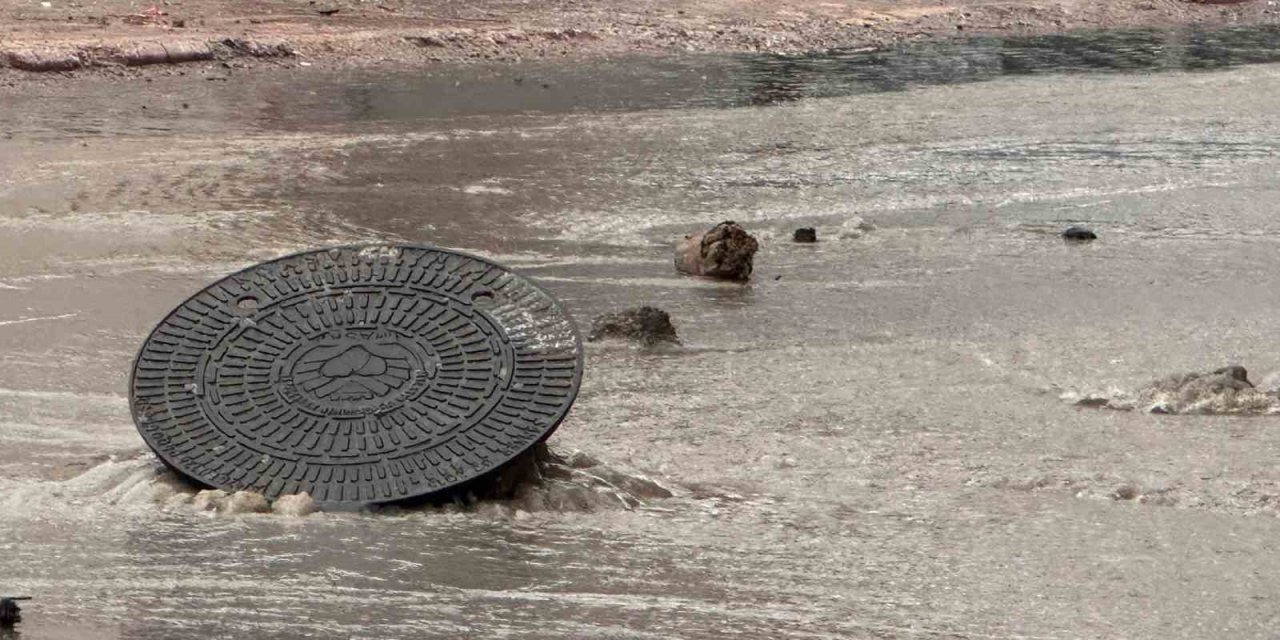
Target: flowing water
<point>869,440</point>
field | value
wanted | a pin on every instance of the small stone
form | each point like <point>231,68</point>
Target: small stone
<point>1125,492</point>
<point>246,502</point>
<point>298,505</point>
<point>805,234</point>
<point>1079,234</point>
<point>1235,372</point>
<point>647,325</point>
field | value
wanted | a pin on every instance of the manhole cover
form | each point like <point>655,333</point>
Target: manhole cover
<point>357,374</point>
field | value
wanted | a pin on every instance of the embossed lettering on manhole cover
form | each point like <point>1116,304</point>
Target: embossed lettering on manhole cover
<point>357,374</point>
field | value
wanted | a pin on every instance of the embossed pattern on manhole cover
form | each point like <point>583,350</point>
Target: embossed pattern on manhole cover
<point>357,374</point>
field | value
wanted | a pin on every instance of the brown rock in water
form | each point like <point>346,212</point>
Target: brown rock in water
<point>724,251</point>
<point>646,325</point>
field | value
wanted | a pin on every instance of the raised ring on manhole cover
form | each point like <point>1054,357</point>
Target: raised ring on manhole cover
<point>358,374</point>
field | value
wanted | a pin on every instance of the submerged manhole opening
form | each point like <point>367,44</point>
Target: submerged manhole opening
<point>357,374</point>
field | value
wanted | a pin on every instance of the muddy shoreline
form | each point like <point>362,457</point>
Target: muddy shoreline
<point>117,38</point>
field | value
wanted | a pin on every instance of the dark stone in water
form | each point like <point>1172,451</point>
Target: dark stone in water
<point>1235,372</point>
<point>646,325</point>
<point>806,234</point>
<point>1079,234</point>
<point>10,612</point>
<point>353,373</point>
<point>724,251</point>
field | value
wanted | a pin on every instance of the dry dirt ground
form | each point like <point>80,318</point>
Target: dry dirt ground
<point>112,36</point>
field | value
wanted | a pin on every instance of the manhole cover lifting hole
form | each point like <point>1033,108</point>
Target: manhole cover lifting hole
<point>357,374</point>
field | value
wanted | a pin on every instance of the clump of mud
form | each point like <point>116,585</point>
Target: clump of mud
<point>222,502</point>
<point>647,326</point>
<point>1225,391</point>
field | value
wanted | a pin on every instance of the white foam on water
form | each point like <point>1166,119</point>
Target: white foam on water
<point>485,189</point>
<point>132,221</point>
<point>130,484</point>
<point>65,396</point>
<point>37,319</point>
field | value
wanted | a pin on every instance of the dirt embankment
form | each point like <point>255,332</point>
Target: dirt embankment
<point>114,36</point>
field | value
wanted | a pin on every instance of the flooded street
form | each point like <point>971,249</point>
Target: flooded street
<point>868,440</point>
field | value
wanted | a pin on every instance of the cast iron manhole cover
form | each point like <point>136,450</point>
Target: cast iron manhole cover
<point>357,374</point>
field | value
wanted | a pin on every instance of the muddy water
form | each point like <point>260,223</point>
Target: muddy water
<point>867,441</point>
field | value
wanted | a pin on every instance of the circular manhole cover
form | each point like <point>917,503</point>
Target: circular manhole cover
<point>356,374</point>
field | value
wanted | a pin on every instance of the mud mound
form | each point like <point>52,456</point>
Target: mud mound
<point>1225,391</point>
<point>647,326</point>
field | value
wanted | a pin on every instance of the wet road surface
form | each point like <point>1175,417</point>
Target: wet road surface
<point>867,439</point>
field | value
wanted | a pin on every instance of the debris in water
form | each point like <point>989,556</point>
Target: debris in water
<point>1224,391</point>
<point>10,612</point>
<point>246,502</point>
<point>1079,234</point>
<point>724,251</point>
<point>209,500</point>
<point>1125,492</point>
<point>648,326</point>
<point>855,227</point>
<point>298,505</point>
<point>805,234</point>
